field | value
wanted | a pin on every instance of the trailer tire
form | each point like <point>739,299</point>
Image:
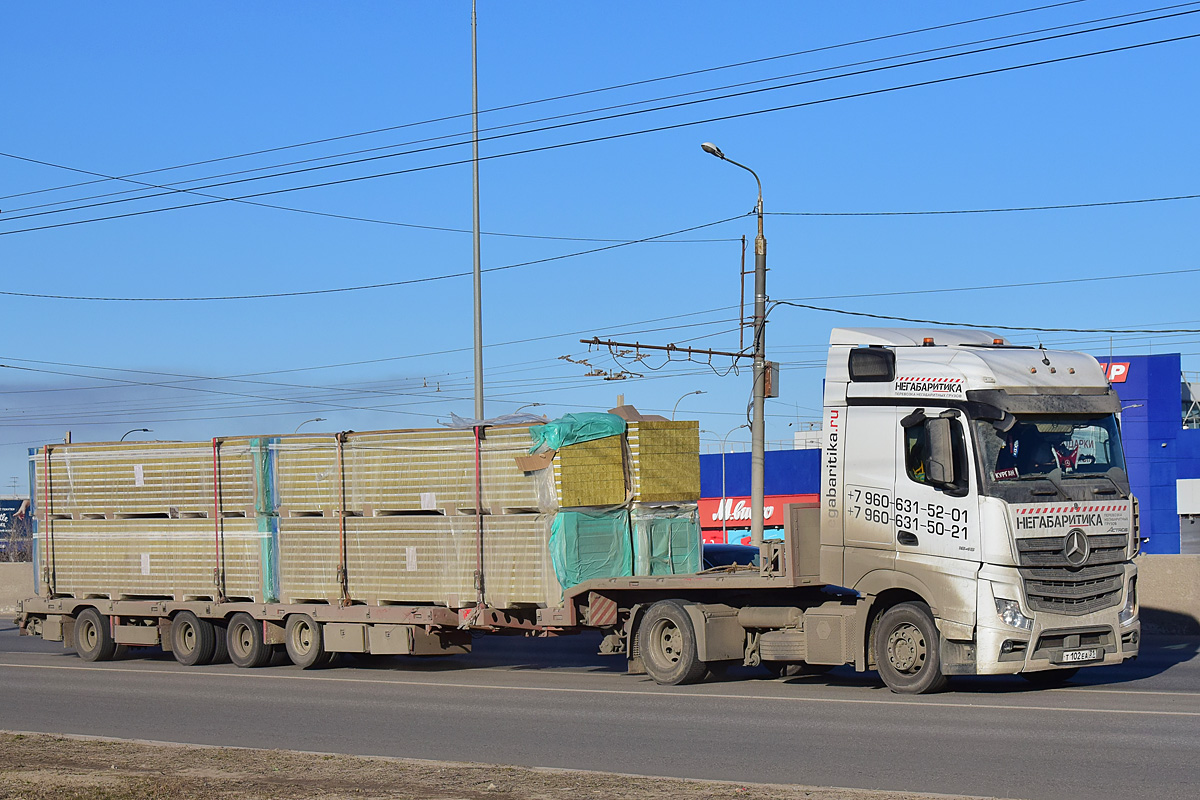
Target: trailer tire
<point>193,640</point>
<point>304,643</point>
<point>221,651</point>
<point>907,650</point>
<point>667,642</point>
<point>244,636</point>
<point>93,637</point>
<point>1050,677</point>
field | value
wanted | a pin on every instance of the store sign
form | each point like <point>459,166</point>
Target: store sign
<point>1116,372</point>
<point>734,512</point>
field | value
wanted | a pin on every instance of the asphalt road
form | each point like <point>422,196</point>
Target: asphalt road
<point>1120,732</point>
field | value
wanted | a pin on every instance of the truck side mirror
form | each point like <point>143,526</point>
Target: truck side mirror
<point>940,465</point>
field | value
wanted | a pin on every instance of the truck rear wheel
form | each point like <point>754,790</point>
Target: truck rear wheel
<point>907,650</point>
<point>245,642</point>
<point>93,637</point>
<point>193,640</point>
<point>667,642</point>
<point>304,644</point>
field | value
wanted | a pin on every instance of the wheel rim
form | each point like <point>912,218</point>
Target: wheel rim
<point>187,638</point>
<point>90,635</point>
<point>302,637</point>
<point>906,649</point>
<point>666,640</point>
<point>242,639</point>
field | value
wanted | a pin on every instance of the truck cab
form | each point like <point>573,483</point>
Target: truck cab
<point>974,494</point>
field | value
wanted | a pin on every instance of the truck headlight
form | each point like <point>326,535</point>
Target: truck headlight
<point>1129,613</point>
<point>1010,613</point>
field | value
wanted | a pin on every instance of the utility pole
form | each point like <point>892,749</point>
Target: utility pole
<point>758,421</point>
<point>478,272</point>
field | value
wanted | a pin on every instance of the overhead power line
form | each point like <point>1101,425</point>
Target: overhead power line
<point>409,282</point>
<point>611,117</point>
<point>178,186</point>
<point>976,324</point>
<point>980,210</point>
<point>566,96</point>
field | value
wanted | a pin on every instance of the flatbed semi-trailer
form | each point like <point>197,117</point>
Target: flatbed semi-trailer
<point>975,519</point>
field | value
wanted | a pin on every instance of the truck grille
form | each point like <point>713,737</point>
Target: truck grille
<point>1053,585</point>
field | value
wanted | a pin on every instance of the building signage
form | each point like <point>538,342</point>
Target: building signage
<point>734,512</point>
<point>1116,372</point>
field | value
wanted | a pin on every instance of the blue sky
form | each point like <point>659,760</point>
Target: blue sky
<point>123,88</point>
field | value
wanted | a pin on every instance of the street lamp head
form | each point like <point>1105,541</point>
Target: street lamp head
<point>712,149</point>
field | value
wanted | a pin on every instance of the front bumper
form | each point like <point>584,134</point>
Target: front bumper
<point>1055,639</point>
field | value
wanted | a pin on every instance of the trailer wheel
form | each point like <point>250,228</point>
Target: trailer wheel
<point>93,638</point>
<point>303,640</point>
<point>221,637</point>
<point>245,642</point>
<point>907,651</point>
<point>1050,677</point>
<point>667,642</point>
<point>193,640</point>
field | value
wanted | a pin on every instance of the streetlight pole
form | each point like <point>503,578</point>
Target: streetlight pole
<point>302,424</point>
<point>135,430</point>
<point>680,400</point>
<point>758,423</point>
<point>724,501</point>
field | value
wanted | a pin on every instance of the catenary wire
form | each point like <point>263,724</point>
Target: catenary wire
<point>568,95</point>
<point>606,118</point>
<point>171,186</point>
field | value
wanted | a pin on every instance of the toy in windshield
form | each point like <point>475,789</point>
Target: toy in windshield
<point>1029,451</point>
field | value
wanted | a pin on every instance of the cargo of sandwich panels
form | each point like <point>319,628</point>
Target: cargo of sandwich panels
<point>419,559</point>
<point>403,471</point>
<point>666,539</point>
<point>664,460</point>
<point>143,478</point>
<point>591,474</point>
<point>586,544</point>
<point>161,558</point>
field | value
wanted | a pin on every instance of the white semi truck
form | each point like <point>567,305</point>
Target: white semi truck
<point>975,518</point>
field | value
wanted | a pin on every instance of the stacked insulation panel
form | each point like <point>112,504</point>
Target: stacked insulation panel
<point>385,517</point>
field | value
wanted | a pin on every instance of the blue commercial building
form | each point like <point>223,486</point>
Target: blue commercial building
<point>1160,431</point>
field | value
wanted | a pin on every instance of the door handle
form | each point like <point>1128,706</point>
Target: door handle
<point>907,538</point>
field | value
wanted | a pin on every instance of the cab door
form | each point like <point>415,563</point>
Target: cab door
<point>935,500</point>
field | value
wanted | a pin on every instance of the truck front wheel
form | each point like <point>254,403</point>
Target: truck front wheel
<point>667,643</point>
<point>93,638</point>
<point>907,651</point>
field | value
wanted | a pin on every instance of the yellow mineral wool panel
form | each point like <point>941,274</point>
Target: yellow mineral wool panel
<point>517,566</point>
<point>168,558</point>
<point>112,480</point>
<point>665,458</point>
<point>591,473</point>
<point>307,474</point>
<point>412,559</point>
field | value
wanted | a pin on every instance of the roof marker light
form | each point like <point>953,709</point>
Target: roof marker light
<point>997,341</point>
<point>928,342</point>
<point>1071,370</point>
<point>1033,369</point>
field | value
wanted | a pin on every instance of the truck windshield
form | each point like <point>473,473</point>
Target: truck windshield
<point>1052,447</point>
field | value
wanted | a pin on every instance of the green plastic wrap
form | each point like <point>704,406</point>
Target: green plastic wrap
<point>574,428</point>
<point>666,539</point>
<point>590,544</point>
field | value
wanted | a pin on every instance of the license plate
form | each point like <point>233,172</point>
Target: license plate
<point>1074,656</point>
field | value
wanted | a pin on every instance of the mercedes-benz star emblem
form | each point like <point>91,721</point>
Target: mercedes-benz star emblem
<point>1076,548</point>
